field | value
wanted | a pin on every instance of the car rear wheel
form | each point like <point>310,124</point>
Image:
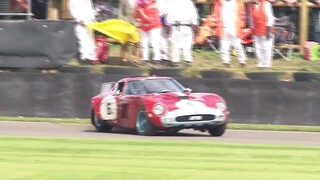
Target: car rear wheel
<point>217,130</point>
<point>143,125</point>
<point>100,125</point>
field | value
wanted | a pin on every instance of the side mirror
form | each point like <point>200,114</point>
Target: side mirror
<point>187,90</point>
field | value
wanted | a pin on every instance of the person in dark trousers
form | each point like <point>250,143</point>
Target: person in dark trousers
<point>39,9</point>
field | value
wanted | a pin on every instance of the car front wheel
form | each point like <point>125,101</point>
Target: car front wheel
<point>143,125</point>
<point>217,130</point>
<point>100,125</point>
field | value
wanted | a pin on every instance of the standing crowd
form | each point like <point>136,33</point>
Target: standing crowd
<point>233,16</point>
<point>169,28</point>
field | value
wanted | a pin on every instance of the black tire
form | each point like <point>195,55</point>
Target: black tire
<point>217,130</point>
<point>216,74</point>
<point>170,72</point>
<point>143,125</point>
<point>75,69</point>
<point>129,71</point>
<point>100,125</point>
<point>307,77</point>
<point>267,76</point>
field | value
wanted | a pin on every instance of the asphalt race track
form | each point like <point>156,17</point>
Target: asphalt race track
<point>31,129</point>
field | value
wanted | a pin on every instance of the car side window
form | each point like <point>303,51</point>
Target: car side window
<point>120,88</point>
<point>134,88</point>
<point>127,89</point>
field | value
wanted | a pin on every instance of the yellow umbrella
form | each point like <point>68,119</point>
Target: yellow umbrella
<point>118,29</point>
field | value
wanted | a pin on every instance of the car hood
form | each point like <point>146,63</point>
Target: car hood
<point>172,96</point>
<point>170,100</point>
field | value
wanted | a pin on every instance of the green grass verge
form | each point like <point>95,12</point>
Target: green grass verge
<point>43,119</point>
<point>270,127</point>
<point>56,158</point>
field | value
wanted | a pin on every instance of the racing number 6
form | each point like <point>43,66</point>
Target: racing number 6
<point>108,108</point>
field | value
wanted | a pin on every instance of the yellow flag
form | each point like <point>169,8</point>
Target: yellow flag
<point>118,29</point>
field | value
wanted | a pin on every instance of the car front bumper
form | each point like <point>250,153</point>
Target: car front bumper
<point>206,117</point>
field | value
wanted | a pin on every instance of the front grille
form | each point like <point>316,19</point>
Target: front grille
<point>198,117</point>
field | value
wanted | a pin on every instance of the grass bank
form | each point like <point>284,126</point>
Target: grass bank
<point>210,60</point>
<point>55,158</point>
<point>270,127</point>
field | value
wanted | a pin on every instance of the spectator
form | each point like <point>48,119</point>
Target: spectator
<point>231,20</point>
<point>39,9</point>
<point>150,26</point>
<point>263,20</point>
<point>183,18</point>
<point>163,6</point>
<point>126,9</point>
<point>18,6</point>
<point>103,12</point>
<point>83,13</point>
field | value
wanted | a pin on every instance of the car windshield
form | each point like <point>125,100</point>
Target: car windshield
<point>149,86</point>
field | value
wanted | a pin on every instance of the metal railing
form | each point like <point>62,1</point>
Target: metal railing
<point>27,14</point>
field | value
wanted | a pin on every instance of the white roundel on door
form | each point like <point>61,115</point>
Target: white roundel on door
<point>108,108</point>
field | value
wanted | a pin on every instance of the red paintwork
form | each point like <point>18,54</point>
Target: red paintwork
<point>148,101</point>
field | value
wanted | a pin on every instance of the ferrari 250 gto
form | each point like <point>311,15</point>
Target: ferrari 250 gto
<point>151,105</point>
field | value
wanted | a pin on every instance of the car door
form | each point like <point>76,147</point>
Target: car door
<point>128,106</point>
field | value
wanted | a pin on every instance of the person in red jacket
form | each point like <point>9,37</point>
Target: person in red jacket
<point>231,20</point>
<point>146,13</point>
<point>18,6</point>
<point>263,20</point>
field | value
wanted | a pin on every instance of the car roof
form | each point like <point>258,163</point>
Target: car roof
<point>143,78</point>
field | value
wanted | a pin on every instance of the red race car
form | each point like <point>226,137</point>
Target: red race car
<point>157,104</point>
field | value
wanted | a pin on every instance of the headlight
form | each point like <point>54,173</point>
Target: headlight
<point>221,106</point>
<point>159,109</point>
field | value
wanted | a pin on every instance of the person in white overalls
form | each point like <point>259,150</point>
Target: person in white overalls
<point>83,13</point>
<point>182,17</point>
